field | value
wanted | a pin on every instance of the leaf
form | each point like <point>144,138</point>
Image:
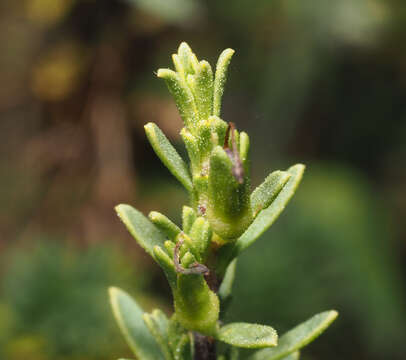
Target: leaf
<point>129,318</point>
<point>220,79</point>
<point>146,233</point>
<point>250,336</point>
<point>298,337</point>
<point>158,323</point>
<point>265,193</point>
<point>181,340</point>
<point>166,263</point>
<point>168,155</point>
<point>204,90</point>
<point>267,216</point>
<point>188,218</point>
<point>170,229</point>
<point>182,94</point>
<point>228,201</point>
<point>228,280</point>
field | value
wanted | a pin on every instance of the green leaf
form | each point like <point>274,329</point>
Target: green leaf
<point>220,79</point>
<point>267,216</point>
<point>228,280</point>
<point>166,263</point>
<point>201,236</point>
<point>250,336</point>
<point>146,233</point>
<point>170,229</point>
<point>228,207</point>
<point>168,155</point>
<point>129,318</point>
<point>187,59</point>
<point>204,90</point>
<point>182,94</point>
<point>188,218</point>
<point>181,341</point>
<point>298,337</point>
<point>265,193</point>
<point>158,323</point>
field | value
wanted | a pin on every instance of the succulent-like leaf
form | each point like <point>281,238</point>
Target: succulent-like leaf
<point>204,90</point>
<point>298,337</point>
<point>146,233</point>
<point>182,94</point>
<point>228,206</point>
<point>167,265</point>
<point>168,155</point>
<point>187,58</point>
<point>220,79</point>
<point>265,193</point>
<point>129,318</point>
<point>188,218</point>
<point>250,336</point>
<point>201,235</point>
<point>267,216</point>
<point>170,229</point>
<point>196,306</point>
<point>158,323</point>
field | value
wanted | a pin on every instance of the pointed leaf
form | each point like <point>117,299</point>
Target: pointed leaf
<point>220,79</point>
<point>267,216</point>
<point>228,280</point>
<point>265,193</point>
<point>146,233</point>
<point>158,323</point>
<point>129,318</point>
<point>298,337</point>
<point>168,155</point>
<point>250,336</point>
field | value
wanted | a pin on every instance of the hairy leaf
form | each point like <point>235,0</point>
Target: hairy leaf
<point>158,323</point>
<point>298,337</point>
<point>146,233</point>
<point>265,193</point>
<point>168,155</point>
<point>267,216</point>
<point>250,336</point>
<point>170,229</point>
<point>129,318</point>
<point>220,79</point>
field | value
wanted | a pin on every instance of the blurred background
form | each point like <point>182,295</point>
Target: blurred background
<point>319,82</point>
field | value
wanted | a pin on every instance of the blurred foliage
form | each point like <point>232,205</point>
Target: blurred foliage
<point>318,81</point>
<point>47,285</point>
